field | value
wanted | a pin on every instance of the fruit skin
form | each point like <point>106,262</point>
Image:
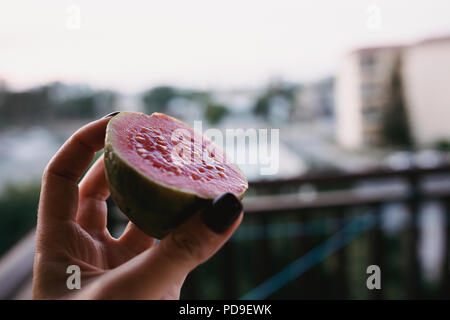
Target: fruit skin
<point>155,208</point>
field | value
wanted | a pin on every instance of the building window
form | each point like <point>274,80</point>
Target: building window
<point>369,92</point>
<point>367,61</point>
<point>372,115</point>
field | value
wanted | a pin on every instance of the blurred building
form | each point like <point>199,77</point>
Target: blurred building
<point>363,92</point>
<point>427,89</point>
<point>362,88</point>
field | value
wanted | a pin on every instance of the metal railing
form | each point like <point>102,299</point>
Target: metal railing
<point>281,209</point>
<point>334,199</point>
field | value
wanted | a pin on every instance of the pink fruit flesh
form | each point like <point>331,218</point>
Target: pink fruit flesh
<point>176,156</point>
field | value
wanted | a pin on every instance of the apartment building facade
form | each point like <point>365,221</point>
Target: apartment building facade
<point>363,88</point>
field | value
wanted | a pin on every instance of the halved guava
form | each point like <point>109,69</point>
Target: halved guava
<point>160,171</point>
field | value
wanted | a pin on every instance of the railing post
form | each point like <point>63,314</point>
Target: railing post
<point>343,290</point>
<point>264,251</point>
<point>445,279</point>
<point>413,266</point>
<point>302,245</point>
<point>376,248</point>
<point>228,260</point>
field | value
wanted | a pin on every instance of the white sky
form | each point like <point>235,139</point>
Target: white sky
<point>198,43</point>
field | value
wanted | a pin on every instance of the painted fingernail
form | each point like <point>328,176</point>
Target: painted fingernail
<point>224,210</point>
<point>112,114</point>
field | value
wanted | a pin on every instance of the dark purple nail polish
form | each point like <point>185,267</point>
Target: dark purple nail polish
<point>221,214</point>
<point>112,114</point>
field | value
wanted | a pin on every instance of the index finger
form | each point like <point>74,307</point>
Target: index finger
<point>59,193</point>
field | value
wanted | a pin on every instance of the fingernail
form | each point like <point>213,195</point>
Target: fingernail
<point>112,114</point>
<point>224,210</point>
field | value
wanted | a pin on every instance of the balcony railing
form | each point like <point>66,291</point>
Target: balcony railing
<point>309,237</point>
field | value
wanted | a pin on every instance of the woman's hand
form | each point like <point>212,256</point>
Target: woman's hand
<point>71,230</point>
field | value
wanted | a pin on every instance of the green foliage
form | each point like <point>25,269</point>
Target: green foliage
<point>442,145</point>
<point>214,113</point>
<point>262,106</point>
<point>157,99</point>
<point>395,124</point>
<point>202,97</point>
<point>263,102</point>
<point>25,107</point>
<point>87,105</point>
<point>18,212</point>
<point>53,102</point>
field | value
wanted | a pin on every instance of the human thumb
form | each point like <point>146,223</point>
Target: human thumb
<point>155,271</point>
<point>200,237</point>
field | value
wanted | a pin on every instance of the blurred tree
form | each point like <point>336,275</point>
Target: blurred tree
<point>88,105</point>
<point>262,106</point>
<point>284,91</point>
<point>215,113</point>
<point>18,207</point>
<point>78,107</point>
<point>25,107</point>
<point>157,99</point>
<point>442,145</point>
<point>54,101</point>
<point>395,124</point>
<point>202,97</point>
<point>106,101</point>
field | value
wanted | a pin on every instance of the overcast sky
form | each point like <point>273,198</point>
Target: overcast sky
<point>199,43</point>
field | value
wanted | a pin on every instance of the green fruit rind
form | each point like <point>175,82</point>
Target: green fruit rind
<point>155,208</point>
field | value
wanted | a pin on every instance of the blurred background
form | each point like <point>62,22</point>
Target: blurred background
<point>360,91</point>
